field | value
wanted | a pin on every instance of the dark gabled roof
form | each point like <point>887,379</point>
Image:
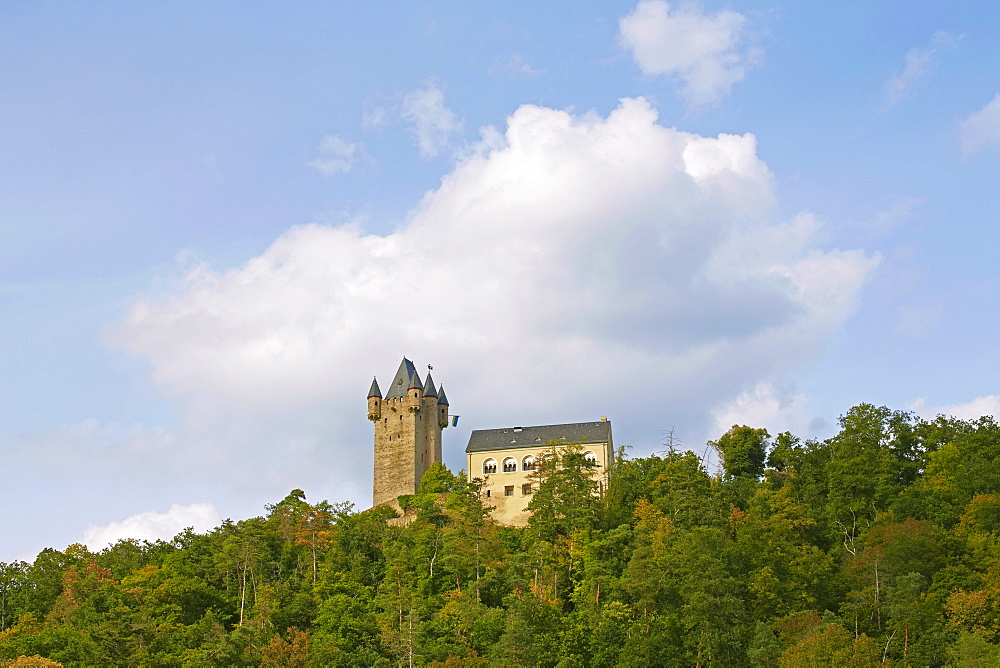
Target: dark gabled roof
<point>522,437</point>
<point>442,397</point>
<point>401,381</point>
<point>374,392</point>
<point>429,389</point>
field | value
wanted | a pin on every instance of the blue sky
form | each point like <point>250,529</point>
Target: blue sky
<point>218,221</point>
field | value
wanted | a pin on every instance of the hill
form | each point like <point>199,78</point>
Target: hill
<point>878,545</point>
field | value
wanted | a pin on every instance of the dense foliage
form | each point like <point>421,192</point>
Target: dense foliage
<point>880,545</point>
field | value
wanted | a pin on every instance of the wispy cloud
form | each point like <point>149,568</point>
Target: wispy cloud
<point>375,116</point>
<point>704,53</point>
<point>433,124</point>
<point>918,64</point>
<point>516,66</point>
<point>336,155</point>
<point>981,130</point>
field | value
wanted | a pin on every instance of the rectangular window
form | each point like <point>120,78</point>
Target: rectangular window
<point>508,490</point>
<point>487,494</point>
<point>526,489</point>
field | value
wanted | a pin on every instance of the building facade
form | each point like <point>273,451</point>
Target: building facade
<point>408,422</point>
<point>506,459</point>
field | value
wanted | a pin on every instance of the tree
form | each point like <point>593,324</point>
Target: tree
<point>400,620</point>
<point>785,453</point>
<point>469,540</point>
<point>531,633</point>
<point>832,645</point>
<point>784,570</point>
<point>290,652</point>
<point>681,578</point>
<point>955,470</point>
<point>742,451</point>
<point>14,592</point>
<point>564,511</point>
<point>566,497</point>
<point>437,479</point>
<point>867,467</point>
<point>684,492</point>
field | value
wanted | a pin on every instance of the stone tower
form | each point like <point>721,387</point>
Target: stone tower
<point>408,424</point>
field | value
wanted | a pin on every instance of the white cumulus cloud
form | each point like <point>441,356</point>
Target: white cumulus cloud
<point>433,124</point>
<point>764,406</point>
<point>153,526</point>
<point>918,64</point>
<point>971,410</point>
<point>336,155</point>
<point>570,266</point>
<point>704,53</point>
<point>981,130</point>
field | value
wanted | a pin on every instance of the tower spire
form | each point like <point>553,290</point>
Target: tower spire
<point>401,381</point>
<point>429,389</point>
<point>415,382</point>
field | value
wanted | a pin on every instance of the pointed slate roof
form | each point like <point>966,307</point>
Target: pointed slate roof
<point>401,381</point>
<point>415,382</point>
<point>586,433</point>
<point>374,392</point>
<point>429,389</point>
<point>442,397</point>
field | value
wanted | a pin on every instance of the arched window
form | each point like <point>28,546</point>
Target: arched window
<point>490,466</point>
<point>590,457</point>
<point>528,463</point>
<point>509,465</point>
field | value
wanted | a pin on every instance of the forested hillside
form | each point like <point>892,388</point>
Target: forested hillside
<point>880,545</point>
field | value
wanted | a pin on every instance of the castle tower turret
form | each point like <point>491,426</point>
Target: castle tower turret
<point>415,392</point>
<point>407,432</point>
<point>432,426</point>
<point>429,389</point>
<point>374,402</point>
<point>442,408</point>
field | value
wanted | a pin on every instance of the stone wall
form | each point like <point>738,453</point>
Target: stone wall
<point>407,442</point>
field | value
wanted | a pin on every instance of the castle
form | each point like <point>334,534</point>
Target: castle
<point>408,425</point>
